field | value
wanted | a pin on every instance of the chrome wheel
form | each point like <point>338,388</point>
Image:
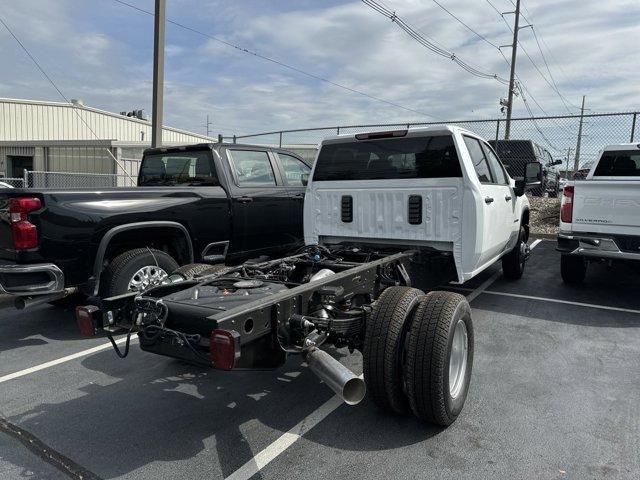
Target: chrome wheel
<point>146,277</point>
<point>458,358</point>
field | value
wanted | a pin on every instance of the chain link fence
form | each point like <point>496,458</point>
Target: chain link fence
<point>567,146</point>
<point>554,139</point>
<point>64,180</point>
<point>11,182</point>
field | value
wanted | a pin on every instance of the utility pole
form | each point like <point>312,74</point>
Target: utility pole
<point>158,73</point>
<point>576,161</point>
<point>514,52</point>
<point>208,124</point>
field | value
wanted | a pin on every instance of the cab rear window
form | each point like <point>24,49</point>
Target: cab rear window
<point>387,159</point>
<point>622,163</point>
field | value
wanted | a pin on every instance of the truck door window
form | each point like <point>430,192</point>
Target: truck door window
<point>387,159</point>
<point>252,168</point>
<point>480,163</point>
<point>496,166</point>
<point>178,168</point>
<point>622,163</point>
<point>293,170</point>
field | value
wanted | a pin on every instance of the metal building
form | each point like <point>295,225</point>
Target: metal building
<point>46,137</point>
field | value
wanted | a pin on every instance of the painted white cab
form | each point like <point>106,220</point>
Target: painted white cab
<point>438,187</point>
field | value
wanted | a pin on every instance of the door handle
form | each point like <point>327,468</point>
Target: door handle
<point>488,200</point>
<point>299,195</point>
<point>245,199</point>
<point>507,198</point>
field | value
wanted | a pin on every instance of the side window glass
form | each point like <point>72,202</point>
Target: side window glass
<point>479,160</point>
<point>252,168</point>
<point>496,166</point>
<point>294,170</point>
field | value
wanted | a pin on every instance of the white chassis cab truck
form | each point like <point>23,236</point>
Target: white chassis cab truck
<point>438,188</point>
<point>600,215</point>
<point>388,217</point>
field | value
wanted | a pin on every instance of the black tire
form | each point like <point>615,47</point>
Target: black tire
<point>195,270</point>
<point>382,355</point>
<point>426,372</point>
<point>121,270</point>
<point>191,270</point>
<point>217,268</point>
<point>573,269</point>
<point>513,263</point>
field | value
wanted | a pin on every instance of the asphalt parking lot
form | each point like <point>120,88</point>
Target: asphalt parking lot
<point>555,392</point>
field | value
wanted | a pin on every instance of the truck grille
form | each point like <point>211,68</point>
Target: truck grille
<point>415,209</point>
<point>346,205</point>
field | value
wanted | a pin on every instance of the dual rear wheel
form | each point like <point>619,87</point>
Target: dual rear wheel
<point>418,353</point>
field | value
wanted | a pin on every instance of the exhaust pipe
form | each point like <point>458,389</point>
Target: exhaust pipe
<point>26,302</point>
<point>346,384</point>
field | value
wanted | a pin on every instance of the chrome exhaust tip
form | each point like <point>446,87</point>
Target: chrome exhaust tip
<point>346,384</point>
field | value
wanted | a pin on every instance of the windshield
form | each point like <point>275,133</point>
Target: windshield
<point>622,163</point>
<point>413,157</point>
<point>178,168</point>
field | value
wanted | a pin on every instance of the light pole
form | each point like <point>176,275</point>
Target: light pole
<point>158,73</point>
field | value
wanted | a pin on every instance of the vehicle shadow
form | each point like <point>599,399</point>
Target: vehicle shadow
<point>615,286</point>
<point>45,321</point>
<point>152,409</point>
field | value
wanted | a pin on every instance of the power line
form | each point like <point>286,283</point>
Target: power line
<point>73,107</point>
<point>485,39</point>
<point>430,45</point>
<point>554,86</point>
<point>278,62</point>
<point>562,98</point>
<point>535,123</point>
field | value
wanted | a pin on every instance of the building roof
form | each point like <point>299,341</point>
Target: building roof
<point>31,120</point>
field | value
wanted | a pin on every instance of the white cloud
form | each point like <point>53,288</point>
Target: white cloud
<point>592,42</point>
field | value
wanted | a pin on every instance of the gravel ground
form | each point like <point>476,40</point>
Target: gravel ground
<point>545,214</point>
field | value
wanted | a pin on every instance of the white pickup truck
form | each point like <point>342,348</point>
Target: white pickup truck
<point>440,187</point>
<point>600,215</point>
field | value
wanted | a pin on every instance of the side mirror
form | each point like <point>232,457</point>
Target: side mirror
<point>532,178</point>
<point>304,178</point>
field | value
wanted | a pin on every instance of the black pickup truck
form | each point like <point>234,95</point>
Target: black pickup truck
<point>212,203</point>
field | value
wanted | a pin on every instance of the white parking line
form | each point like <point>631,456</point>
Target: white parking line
<point>487,283</point>
<point>58,361</point>
<point>556,300</point>
<point>269,453</point>
<point>265,456</point>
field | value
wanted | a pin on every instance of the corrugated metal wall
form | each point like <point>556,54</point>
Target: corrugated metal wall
<point>22,120</point>
<point>79,159</point>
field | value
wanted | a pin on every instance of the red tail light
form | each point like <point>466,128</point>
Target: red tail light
<point>566,207</point>
<point>87,319</point>
<point>23,232</point>
<point>224,348</point>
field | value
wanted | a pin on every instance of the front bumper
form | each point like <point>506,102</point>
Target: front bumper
<point>617,247</point>
<point>31,279</point>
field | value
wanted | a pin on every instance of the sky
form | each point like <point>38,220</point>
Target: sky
<point>100,51</point>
